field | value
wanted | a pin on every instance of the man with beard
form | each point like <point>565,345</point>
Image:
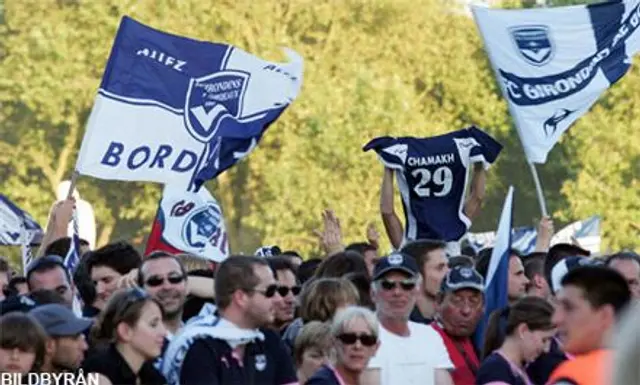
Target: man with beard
<point>232,346</point>
<point>460,305</point>
<point>164,278</point>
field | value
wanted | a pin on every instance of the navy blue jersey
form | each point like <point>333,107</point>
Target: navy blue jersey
<point>432,175</point>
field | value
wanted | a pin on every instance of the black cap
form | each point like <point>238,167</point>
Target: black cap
<point>461,277</point>
<point>396,262</point>
<point>21,303</point>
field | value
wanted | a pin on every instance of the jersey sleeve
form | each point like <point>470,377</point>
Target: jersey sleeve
<point>489,148</point>
<point>392,152</point>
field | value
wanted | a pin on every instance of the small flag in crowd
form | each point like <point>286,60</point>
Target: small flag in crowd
<point>554,63</point>
<point>17,228</point>
<point>191,223</point>
<point>497,282</point>
<point>176,110</point>
<point>72,259</point>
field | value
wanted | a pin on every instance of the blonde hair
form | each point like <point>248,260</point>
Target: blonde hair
<point>321,298</point>
<point>191,262</point>
<point>627,349</point>
<point>315,334</point>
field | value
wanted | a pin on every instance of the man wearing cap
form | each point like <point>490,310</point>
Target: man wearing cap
<point>66,343</point>
<point>460,306</point>
<point>410,353</point>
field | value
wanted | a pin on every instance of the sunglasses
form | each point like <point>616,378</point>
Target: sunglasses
<point>284,290</point>
<point>406,285</point>
<point>351,338</point>
<point>269,292</point>
<point>157,281</point>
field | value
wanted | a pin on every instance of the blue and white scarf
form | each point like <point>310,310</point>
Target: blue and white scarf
<point>212,326</point>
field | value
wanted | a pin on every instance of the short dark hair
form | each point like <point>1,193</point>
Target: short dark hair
<point>559,252</point>
<point>601,286</point>
<point>280,263</point>
<point>46,263</point>
<point>4,266</point>
<point>361,247</point>
<point>58,247</point>
<point>236,273</point>
<point>534,264</point>
<point>12,287</point>
<point>83,282</point>
<point>155,256</point>
<point>307,269</point>
<point>119,256</point>
<point>623,256</point>
<point>482,264</point>
<point>419,249</point>
<point>461,260</point>
<point>339,264</point>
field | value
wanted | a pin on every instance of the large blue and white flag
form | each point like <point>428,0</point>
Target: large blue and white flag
<point>497,282</point>
<point>176,110</point>
<point>554,63</point>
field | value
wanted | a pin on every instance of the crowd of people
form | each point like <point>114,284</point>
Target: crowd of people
<point>355,316</point>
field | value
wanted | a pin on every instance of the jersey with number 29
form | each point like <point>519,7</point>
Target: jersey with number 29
<point>432,175</point>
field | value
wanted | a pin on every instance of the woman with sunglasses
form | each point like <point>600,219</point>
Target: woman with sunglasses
<point>515,336</point>
<point>355,332</point>
<point>132,328</point>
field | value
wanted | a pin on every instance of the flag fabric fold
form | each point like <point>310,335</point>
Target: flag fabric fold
<point>497,280</point>
<point>554,63</point>
<point>176,110</point>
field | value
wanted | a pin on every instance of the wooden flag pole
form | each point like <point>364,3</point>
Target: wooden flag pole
<point>539,192</point>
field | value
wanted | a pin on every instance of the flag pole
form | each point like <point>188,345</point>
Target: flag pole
<point>72,185</point>
<point>539,192</point>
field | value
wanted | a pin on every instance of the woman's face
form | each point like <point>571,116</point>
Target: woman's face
<point>536,342</point>
<point>16,360</point>
<point>312,359</point>
<point>355,355</point>
<point>149,331</point>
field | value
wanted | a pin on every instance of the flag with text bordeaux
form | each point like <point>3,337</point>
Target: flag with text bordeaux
<point>171,109</point>
<point>554,63</point>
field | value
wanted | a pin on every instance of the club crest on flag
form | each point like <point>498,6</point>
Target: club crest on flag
<point>533,44</point>
<point>212,98</point>
<point>201,225</point>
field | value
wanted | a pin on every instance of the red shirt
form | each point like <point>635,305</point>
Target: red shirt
<point>458,349</point>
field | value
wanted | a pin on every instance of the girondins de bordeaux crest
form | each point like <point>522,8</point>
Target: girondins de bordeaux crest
<point>211,99</point>
<point>533,44</point>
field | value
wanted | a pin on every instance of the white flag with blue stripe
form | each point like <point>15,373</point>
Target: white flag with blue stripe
<point>554,63</point>
<point>497,283</point>
<point>176,110</point>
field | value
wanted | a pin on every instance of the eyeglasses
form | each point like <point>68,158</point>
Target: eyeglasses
<point>157,281</point>
<point>284,290</point>
<point>351,338</point>
<point>406,285</point>
<point>269,292</point>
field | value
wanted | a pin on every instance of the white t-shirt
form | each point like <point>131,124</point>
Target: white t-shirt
<point>410,360</point>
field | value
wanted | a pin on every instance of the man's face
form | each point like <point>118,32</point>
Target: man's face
<point>69,351</point>
<point>392,300</point>
<point>630,270</point>
<point>4,281</point>
<point>434,271</point>
<point>285,307</point>
<point>54,279</point>
<point>157,276</point>
<point>259,309</point>
<point>580,326</point>
<point>517,280</point>
<point>460,311</point>
<point>105,279</point>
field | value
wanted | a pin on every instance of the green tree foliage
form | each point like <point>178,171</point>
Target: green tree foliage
<point>398,67</point>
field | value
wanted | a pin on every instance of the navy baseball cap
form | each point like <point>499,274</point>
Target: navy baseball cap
<point>461,277</point>
<point>396,262</point>
<point>59,321</point>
